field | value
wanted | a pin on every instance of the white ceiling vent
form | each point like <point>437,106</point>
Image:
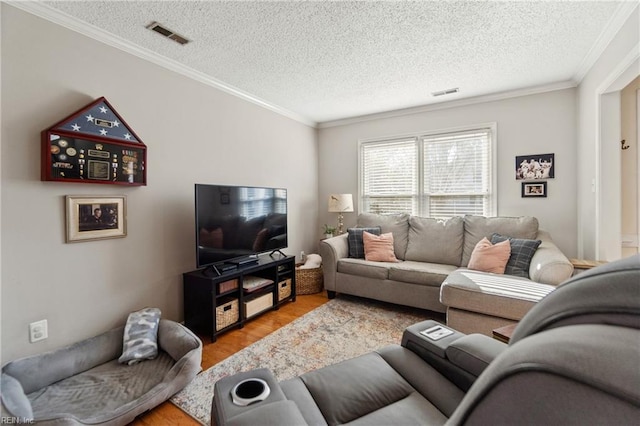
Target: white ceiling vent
<point>155,26</point>
<point>446,92</point>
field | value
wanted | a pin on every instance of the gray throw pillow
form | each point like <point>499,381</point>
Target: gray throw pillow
<point>356,245</point>
<point>522,252</point>
<point>140,339</point>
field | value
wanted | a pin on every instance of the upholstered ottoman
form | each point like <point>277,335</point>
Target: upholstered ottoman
<point>478,302</point>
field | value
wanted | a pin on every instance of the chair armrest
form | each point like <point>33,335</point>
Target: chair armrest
<point>332,250</point>
<point>276,413</point>
<point>434,352</point>
<point>549,265</point>
<point>223,410</point>
<point>474,352</point>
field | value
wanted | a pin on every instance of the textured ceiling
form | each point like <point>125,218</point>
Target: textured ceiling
<point>331,60</point>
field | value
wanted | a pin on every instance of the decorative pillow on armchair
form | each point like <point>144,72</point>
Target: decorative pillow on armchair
<point>140,339</point>
<point>522,252</point>
<point>378,248</point>
<point>356,245</point>
<point>487,257</point>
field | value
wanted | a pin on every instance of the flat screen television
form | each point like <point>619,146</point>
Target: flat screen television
<point>236,223</point>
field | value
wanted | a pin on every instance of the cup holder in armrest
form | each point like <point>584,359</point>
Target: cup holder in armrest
<point>249,391</point>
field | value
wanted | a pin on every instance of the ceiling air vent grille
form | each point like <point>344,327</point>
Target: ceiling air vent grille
<point>446,92</point>
<point>154,26</point>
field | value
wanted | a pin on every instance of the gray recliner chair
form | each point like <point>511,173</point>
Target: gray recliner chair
<point>573,359</point>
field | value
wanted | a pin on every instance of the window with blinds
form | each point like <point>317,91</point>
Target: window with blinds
<point>434,175</point>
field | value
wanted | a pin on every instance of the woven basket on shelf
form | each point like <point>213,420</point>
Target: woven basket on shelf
<point>227,313</point>
<point>308,281</point>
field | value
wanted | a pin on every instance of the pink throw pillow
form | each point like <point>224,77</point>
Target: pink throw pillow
<point>487,257</point>
<point>378,248</point>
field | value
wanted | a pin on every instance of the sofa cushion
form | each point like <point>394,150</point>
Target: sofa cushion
<point>479,227</point>
<point>356,244</point>
<point>422,273</point>
<point>522,252</point>
<point>435,241</point>
<point>501,296</point>
<point>488,257</point>
<point>379,388</point>
<point>397,224</point>
<point>378,248</point>
<point>364,268</point>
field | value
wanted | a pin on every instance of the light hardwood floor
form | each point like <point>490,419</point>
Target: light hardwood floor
<point>228,344</point>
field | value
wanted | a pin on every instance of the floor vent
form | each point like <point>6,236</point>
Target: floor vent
<point>154,26</point>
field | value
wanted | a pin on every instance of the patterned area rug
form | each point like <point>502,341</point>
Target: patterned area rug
<point>340,329</point>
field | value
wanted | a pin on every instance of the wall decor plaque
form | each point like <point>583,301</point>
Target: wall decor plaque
<point>94,145</point>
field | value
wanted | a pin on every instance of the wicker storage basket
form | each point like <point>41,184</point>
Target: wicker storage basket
<point>308,281</point>
<point>284,289</point>
<point>227,313</point>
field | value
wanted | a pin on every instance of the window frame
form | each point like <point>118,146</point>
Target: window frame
<point>418,138</point>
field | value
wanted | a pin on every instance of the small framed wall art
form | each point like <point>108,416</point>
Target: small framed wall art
<point>535,167</point>
<point>91,218</point>
<point>534,189</point>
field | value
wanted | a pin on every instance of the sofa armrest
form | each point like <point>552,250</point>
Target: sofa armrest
<point>223,410</point>
<point>276,413</point>
<point>434,352</point>
<point>474,352</point>
<point>331,251</point>
<point>549,265</point>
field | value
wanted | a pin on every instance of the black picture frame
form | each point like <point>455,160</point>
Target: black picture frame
<point>534,189</point>
<point>535,167</point>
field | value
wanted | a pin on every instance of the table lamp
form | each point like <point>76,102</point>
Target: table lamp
<point>340,203</point>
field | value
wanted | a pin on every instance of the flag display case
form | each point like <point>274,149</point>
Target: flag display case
<point>94,145</point>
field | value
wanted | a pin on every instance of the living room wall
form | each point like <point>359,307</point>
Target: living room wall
<point>598,150</point>
<point>533,124</point>
<point>194,133</point>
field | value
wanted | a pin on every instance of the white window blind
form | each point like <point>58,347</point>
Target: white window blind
<point>457,174</point>
<point>435,175</point>
<point>390,176</point>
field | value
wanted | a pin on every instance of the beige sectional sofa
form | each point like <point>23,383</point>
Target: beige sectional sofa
<point>432,252</point>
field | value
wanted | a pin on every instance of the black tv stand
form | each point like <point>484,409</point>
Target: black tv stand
<point>218,269</point>
<point>214,304</point>
<point>277,251</point>
<point>243,261</point>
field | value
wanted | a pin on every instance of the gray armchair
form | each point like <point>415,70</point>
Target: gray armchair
<point>573,359</point>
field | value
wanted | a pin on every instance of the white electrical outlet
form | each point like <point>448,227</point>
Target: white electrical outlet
<point>38,331</point>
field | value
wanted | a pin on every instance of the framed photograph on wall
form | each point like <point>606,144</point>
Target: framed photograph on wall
<point>534,167</point>
<point>91,218</point>
<point>534,189</point>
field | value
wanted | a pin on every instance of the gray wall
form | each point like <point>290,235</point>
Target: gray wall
<point>194,133</point>
<point>533,124</point>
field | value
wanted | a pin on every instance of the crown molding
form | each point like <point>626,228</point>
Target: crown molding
<point>618,19</point>
<point>451,104</point>
<point>48,13</point>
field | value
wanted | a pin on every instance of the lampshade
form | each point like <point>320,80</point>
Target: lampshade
<point>340,203</point>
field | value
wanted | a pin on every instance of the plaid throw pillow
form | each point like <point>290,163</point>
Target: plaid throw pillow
<point>356,245</point>
<point>521,253</point>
